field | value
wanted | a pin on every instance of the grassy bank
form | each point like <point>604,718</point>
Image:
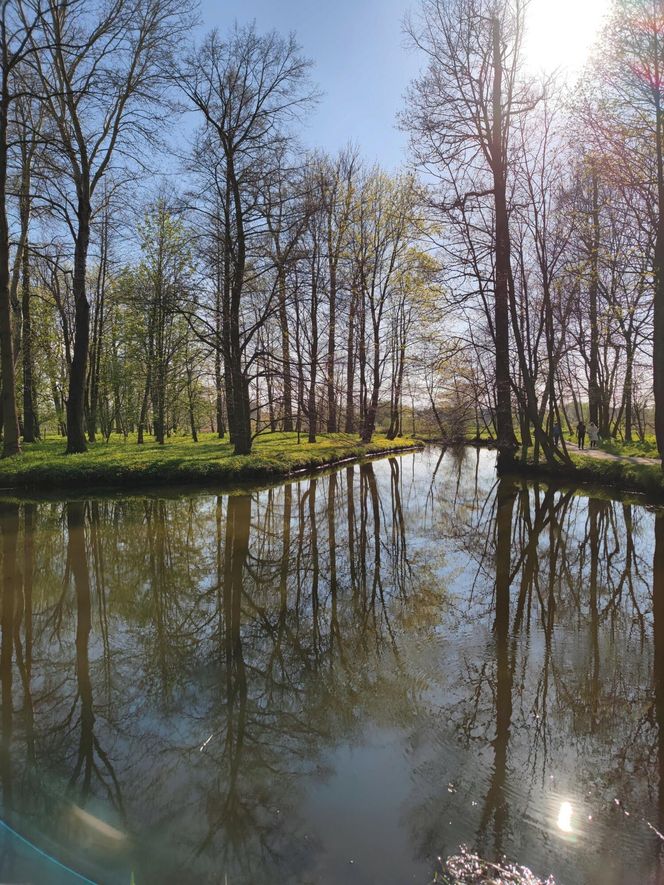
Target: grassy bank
<point>624,473</point>
<point>637,449</point>
<point>121,463</point>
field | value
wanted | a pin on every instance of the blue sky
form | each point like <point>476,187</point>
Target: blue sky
<point>360,63</point>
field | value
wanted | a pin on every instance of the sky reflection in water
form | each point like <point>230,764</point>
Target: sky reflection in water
<point>335,680</point>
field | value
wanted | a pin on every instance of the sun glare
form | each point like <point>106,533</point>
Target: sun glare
<point>565,815</point>
<point>560,33</point>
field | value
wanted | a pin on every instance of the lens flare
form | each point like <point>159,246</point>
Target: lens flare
<point>560,35</point>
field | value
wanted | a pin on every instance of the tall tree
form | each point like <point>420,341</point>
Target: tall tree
<point>18,23</point>
<point>386,228</point>
<point>338,194</point>
<point>29,120</point>
<point>461,113</point>
<point>102,73</point>
<point>249,88</point>
<point>623,104</point>
<point>162,281</point>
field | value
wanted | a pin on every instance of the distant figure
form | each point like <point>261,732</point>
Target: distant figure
<point>593,434</point>
<point>581,434</point>
<point>557,433</point>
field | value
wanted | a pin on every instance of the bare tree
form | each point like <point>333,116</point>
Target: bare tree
<point>28,117</point>
<point>249,89</point>
<point>102,74</point>
<point>461,113</point>
<point>18,23</point>
<point>623,112</point>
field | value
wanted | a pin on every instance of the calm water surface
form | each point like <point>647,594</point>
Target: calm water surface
<point>338,680</point>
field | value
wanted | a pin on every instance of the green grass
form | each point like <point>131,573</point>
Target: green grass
<point>179,460</point>
<point>624,474</point>
<point>627,474</point>
<point>645,449</point>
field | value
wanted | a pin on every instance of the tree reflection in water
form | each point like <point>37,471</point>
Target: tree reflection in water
<point>377,665</point>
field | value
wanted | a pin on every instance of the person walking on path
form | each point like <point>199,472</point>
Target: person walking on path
<point>593,434</point>
<point>557,433</point>
<point>581,434</point>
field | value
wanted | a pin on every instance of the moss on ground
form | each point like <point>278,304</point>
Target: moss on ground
<point>123,463</point>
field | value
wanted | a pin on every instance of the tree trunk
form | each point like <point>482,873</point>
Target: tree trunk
<point>241,407</point>
<point>658,307</point>
<point>285,353</point>
<point>395,417</point>
<point>312,414</point>
<point>143,417</point>
<point>269,384</point>
<point>629,394</point>
<point>10,437</point>
<point>593,363</point>
<point>369,423</point>
<point>77,373</point>
<point>30,421</point>
<point>160,405</point>
<point>97,334</point>
<point>192,413</point>
<point>350,365</point>
<point>504,426</point>
<point>239,416</point>
<point>362,357</point>
<point>219,397</point>
<point>331,346</point>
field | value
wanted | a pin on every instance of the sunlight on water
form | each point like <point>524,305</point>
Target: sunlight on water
<point>565,817</point>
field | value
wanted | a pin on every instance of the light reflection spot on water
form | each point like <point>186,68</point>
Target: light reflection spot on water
<point>565,817</point>
<point>205,743</point>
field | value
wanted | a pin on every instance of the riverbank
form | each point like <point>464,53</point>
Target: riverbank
<point>124,464</point>
<point>601,468</point>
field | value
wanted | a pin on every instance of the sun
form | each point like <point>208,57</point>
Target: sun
<point>561,33</point>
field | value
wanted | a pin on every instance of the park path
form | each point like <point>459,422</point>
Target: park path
<point>601,455</point>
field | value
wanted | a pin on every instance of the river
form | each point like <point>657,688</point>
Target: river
<point>340,679</point>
